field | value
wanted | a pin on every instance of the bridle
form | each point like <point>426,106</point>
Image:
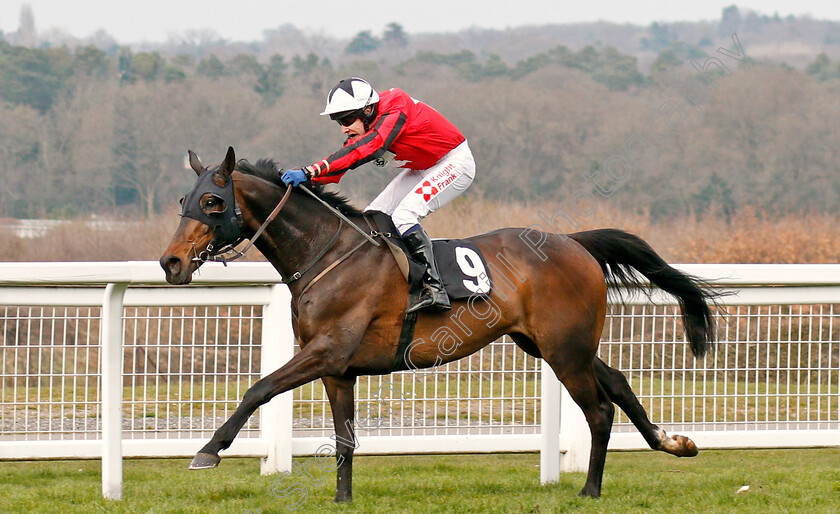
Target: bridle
<point>226,224</point>
<point>228,251</point>
<point>227,229</point>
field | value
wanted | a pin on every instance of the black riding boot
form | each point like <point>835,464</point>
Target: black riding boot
<point>434,295</point>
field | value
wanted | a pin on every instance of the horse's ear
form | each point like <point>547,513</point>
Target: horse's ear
<point>229,162</point>
<point>195,164</point>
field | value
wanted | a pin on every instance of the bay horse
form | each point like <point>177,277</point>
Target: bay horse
<point>349,298</point>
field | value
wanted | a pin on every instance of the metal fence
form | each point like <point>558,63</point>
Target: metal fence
<point>183,369</point>
<point>775,368</point>
<point>185,357</point>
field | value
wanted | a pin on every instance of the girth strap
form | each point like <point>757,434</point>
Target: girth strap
<point>406,336</point>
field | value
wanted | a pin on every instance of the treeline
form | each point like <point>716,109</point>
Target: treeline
<point>88,131</point>
<point>37,77</point>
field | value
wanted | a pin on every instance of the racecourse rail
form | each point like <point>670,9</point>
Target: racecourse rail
<point>104,360</point>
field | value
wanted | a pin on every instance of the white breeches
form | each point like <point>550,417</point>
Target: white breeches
<point>413,194</point>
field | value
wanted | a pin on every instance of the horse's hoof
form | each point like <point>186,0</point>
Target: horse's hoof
<point>205,461</point>
<point>588,492</point>
<point>678,445</point>
<point>687,446</point>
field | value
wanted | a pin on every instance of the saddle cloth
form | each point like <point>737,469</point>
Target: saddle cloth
<point>462,266</point>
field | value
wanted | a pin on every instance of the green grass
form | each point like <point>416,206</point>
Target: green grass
<point>779,480</point>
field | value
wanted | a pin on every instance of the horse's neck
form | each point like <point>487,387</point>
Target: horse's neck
<point>300,232</point>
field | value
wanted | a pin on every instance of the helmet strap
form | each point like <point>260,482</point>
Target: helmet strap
<point>368,115</point>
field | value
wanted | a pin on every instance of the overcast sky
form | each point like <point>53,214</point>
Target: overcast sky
<point>244,20</point>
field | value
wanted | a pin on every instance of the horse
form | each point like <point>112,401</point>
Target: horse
<point>349,297</point>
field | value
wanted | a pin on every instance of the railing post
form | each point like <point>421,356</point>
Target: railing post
<point>575,429</point>
<point>277,349</point>
<point>550,421</point>
<point>110,350</point>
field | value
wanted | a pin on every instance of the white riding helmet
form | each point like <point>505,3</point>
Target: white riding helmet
<point>350,95</point>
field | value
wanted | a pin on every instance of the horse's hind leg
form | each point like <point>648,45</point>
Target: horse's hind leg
<point>619,391</point>
<point>585,390</point>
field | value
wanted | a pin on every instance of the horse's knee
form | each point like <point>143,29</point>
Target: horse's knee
<point>257,394</point>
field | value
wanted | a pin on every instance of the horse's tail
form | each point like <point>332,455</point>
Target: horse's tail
<point>620,254</point>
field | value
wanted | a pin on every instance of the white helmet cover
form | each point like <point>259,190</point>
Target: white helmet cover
<point>350,95</point>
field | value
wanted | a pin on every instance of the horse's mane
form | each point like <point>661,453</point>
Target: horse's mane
<point>267,169</point>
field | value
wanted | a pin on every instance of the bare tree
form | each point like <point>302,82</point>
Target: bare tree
<point>20,174</point>
<point>156,123</point>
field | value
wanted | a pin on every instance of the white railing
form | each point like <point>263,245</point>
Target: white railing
<point>75,334</point>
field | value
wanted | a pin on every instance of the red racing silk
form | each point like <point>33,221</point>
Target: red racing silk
<point>413,131</point>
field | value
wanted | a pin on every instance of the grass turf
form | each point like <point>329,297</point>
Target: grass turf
<point>778,480</point>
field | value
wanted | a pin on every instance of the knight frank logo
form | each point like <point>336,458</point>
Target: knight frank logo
<point>436,183</point>
<point>427,190</point>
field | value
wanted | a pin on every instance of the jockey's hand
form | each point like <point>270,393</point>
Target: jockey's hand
<point>294,177</point>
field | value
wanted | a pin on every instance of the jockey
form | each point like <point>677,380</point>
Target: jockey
<point>436,160</point>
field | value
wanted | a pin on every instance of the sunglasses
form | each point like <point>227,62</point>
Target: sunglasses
<point>347,120</point>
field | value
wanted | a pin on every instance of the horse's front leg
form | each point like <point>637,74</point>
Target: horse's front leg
<point>314,361</point>
<point>340,393</point>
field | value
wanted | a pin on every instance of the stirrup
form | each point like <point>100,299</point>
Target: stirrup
<point>431,299</point>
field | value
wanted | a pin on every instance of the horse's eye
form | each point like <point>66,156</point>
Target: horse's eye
<point>213,205</point>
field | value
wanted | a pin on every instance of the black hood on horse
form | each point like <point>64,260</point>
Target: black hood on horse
<point>226,223</point>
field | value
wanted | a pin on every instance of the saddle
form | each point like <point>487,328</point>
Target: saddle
<point>463,271</point>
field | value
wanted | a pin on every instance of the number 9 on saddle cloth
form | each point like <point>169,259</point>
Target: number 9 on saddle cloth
<point>462,267</point>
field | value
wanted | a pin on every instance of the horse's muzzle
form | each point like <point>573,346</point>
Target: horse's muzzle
<point>178,271</point>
